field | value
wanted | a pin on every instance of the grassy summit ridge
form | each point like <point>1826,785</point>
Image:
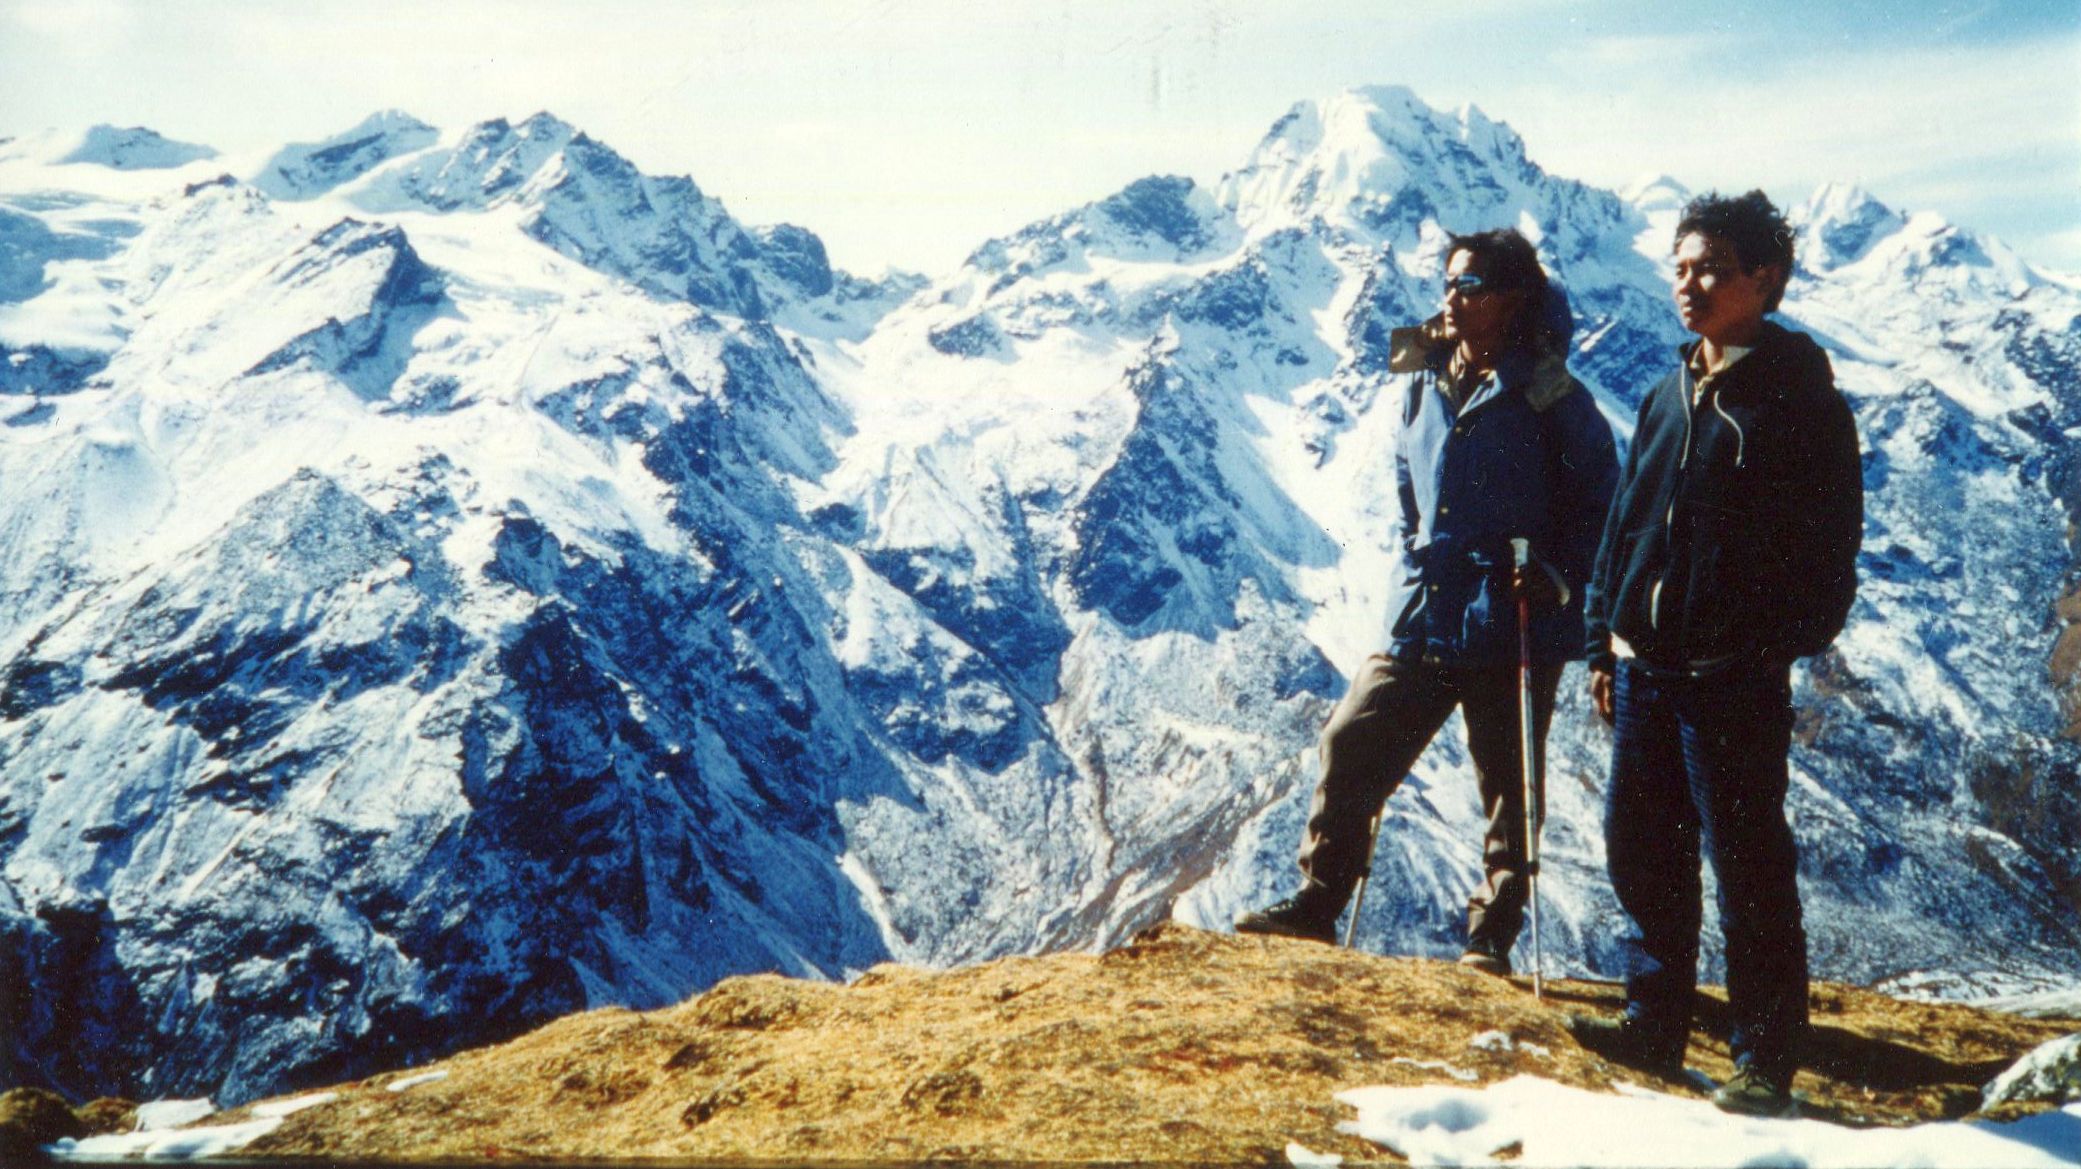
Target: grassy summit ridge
<point>1182,1046</point>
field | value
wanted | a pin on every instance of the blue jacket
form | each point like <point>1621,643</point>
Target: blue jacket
<point>1529,455</point>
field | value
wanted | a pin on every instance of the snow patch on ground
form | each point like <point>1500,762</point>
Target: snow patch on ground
<point>2064,1001</point>
<point>185,1144</point>
<point>1303,1157</point>
<point>275,1109</point>
<point>2051,1073</point>
<point>1529,1121</point>
<point>167,1114</point>
<point>1503,1041</point>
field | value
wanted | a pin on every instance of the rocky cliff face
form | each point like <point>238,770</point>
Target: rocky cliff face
<point>453,582</point>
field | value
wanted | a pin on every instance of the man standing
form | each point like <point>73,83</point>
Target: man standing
<point>1731,550</point>
<point>1497,441</point>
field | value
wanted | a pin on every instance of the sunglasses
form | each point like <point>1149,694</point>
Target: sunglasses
<point>1468,284</point>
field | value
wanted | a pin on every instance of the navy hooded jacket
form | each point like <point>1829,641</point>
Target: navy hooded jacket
<point>1528,455</point>
<point>1735,532</point>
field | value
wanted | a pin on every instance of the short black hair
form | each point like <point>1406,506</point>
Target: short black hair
<point>1509,263</point>
<point>1751,224</point>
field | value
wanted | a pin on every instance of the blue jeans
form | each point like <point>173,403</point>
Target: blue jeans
<point>1702,760</point>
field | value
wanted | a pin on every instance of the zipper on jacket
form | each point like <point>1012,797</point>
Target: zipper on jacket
<point>1683,462</point>
<point>1741,440</point>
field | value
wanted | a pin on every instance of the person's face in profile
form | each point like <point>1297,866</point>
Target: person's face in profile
<point>1476,314</point>
<point>1714,297</point>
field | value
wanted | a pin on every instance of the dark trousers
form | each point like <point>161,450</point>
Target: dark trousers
<point>1385,721</point>
<point>1703,760</point>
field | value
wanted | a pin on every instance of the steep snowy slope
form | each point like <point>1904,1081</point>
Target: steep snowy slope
<point>405,642</point>
<point>454,579</point>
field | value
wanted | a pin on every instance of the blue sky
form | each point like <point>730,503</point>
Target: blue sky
<point>907,131</point>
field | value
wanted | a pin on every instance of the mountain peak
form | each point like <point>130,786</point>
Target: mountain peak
<point>1653,193</point>
<point>134,148</point>
<point>1837,201</point>
<point>543,125</point>
<point>387,121</point>
<point>1371,120</point>
<point>304,170</point>
<point>1380,161</point>
<point>1840,222</point>
<point>1161,218</point>
<point>1161,206</point>
<point>491,160</point>
<point>1838,193</point>
<point>1387,106</point>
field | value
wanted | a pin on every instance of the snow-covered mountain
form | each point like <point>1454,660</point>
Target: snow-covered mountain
<point>454,580</point>
<point>121,148</point>
<point>306,170</point>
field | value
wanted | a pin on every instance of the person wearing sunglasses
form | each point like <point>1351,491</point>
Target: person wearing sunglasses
<point>1731,551</point>
<point>1498,441</point>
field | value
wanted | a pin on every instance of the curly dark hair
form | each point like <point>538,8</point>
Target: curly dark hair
<point>1751,224</point>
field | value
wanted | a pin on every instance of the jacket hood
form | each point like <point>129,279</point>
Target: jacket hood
<point>1541,374</point>
<point>1779,348</point>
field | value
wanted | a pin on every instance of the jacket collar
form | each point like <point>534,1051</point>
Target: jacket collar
<point>1542,379</point>
<point>1768,351</point>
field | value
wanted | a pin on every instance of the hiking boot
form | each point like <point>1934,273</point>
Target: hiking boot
<point>1622,1041</point>
<point>1299,916</point>
<point>1751,1093</point>
<point>1487,958</point>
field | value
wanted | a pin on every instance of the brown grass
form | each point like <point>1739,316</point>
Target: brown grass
<point>1182,1047</point>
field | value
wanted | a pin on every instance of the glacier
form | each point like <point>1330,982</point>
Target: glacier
<point>456,579</point>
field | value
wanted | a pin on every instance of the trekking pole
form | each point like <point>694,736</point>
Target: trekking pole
<point>1358,898</point>
<point>1535,815</point>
